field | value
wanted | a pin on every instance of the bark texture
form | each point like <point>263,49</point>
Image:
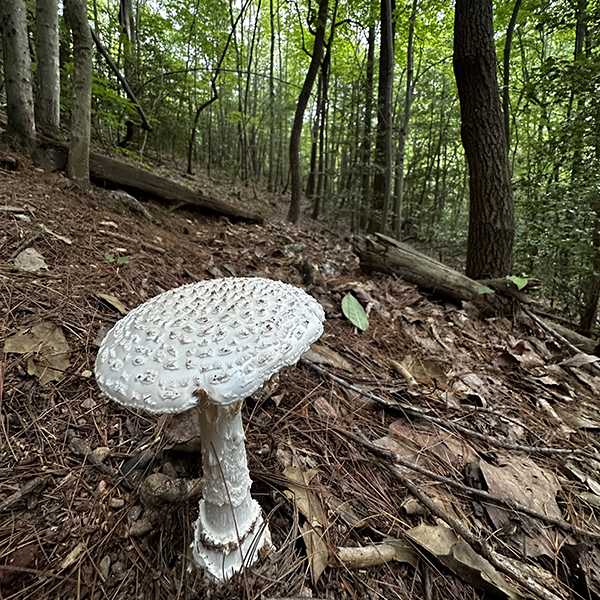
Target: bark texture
<point>382,182</point>
<point>47,95</point>
<point>20,129</point>
<point>491,216</point>
<point>296,133</point>
<point>78,166</point>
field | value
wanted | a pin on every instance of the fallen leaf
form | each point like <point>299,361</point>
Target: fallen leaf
<point>523,481</point>
<point>306,500</point>
<point>48,348</point>
<point>30,260</point>
<point>579,360</point>
<point>62,238</point>
<point>458,556</point>
<point>354,312</point>
<point>324,409</point>
<point>322,355</point>
<point>590,498</point>
<point>316,549</point>
<point>73,556</point>
<point>114,302</point>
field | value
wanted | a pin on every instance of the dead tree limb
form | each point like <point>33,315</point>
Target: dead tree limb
<point>109,61</point>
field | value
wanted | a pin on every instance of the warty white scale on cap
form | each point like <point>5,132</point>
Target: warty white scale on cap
<point>224,336</point>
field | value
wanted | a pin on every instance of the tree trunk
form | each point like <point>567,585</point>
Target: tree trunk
<point>405,121</point>
<point>78,166</point>
<point>491,216</point>
<point>296,133</point>
<point>311,183</point>
<point>47,97</point>
<point>20,129</point>
<point>366,140</point>
<point>271,175</point>
<point>506,75</point>
<point>382,184</point>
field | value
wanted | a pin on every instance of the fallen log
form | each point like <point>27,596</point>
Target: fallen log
<point>386,255</point>
<point>392,257</point>
<point>109,172</point>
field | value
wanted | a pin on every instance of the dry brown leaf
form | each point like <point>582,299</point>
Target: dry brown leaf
<point>48,349</point>
<point>446,446</point>
<point>521,480</point>
<point>322,355</point>
<point>308,503</point>
<point>114,302</point>
<point>30,260</point>
<point>579,360</point>
<point>325,410</point>
<point>458,556</point>
<point>316,549</point>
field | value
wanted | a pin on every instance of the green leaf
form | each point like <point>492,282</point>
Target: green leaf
<point>520,282</point>
<point>122,260</point>
<point>354,311</point>
<point>110,257</point>
<point>484,289</point>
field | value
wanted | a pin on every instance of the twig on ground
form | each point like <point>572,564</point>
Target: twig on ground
<point>125,238</point>
<point>421,413</point>
<point>573,349</point>
<point>392,457</point>
<point>26,243</point>
<point>479,545</point>
<point>23,492</point>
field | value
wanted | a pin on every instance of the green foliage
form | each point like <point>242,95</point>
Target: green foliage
<point>484,289</point>
<point>554,114</point>
<point>354,312</point>
<point>520,282</point>
<point>121,260</point>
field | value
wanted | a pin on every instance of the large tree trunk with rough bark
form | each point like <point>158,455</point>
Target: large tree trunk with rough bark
<point>78,167</point>
<point>296,133</point>
<point>47,94</point>
<point>20,128</point>
<point>491,217</point>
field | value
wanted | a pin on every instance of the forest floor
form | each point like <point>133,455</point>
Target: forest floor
<point>491,403</point>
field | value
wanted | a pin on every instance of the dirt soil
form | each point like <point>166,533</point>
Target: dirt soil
<point>466,403</point>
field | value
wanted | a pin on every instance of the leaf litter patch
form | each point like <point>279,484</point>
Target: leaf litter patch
<point>483,425</point>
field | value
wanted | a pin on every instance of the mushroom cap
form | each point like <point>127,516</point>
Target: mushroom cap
<point>223,336</point>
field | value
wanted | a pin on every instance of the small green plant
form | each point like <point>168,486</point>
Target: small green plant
<point>121,260</point>
<point>354,312</point>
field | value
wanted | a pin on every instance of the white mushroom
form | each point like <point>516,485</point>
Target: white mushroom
<point>212,344</point>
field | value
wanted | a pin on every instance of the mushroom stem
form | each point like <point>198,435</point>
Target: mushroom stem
<point>230,529</point>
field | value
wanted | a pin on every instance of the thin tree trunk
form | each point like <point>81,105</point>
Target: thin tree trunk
<point>314,146</point>
<point>382,184</point>
<point>491,215</point>
<point>405,120</point>
<point>78,165</point>
<point>20,129</point>
<point>214,92</point>
<point>363,216</point>
<point>321,179</point>
<point>296,133</point>
<point>271,175</point>
<point>506,75</point>
<point>47,98</point>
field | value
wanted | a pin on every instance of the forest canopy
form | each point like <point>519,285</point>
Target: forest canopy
<point>218,84</point>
